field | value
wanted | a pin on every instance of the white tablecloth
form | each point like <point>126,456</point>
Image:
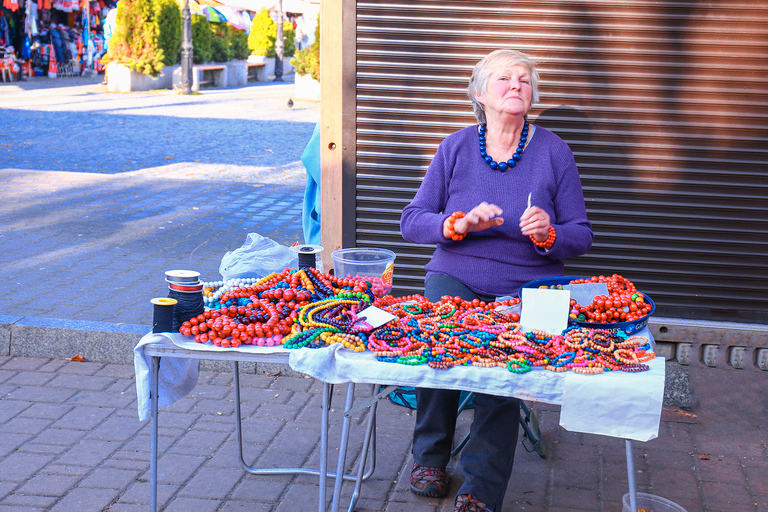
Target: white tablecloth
<point>617,404</point>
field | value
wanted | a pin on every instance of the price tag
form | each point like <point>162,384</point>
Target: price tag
<point>583,293</point>
<point>375,316</point>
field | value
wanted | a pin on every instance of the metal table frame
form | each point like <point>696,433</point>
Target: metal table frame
<point>168,349</point>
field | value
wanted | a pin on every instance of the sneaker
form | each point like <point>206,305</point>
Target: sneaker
<point>468,503</point>
<point>430,482</point>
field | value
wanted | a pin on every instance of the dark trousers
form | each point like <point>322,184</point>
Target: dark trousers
<point>486,460</point>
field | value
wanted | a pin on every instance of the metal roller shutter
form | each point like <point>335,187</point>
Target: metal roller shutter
<point>664,104</point>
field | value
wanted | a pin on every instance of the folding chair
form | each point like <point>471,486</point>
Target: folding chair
<point>529,422</point>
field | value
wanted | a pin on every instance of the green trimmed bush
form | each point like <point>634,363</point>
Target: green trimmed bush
<point>134,43</point>
<point>201,39</point>
<point>261,40</point>
<point>167,18</point>
<point>239,40</point>
<point>289,39</point>
<point>221,45</point>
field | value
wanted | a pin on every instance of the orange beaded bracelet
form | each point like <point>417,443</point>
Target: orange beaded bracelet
<point>451,221</point>
<point>549,242</point>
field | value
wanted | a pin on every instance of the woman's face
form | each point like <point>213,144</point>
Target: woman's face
<point>508,91</point>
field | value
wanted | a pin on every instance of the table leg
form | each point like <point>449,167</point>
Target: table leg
<point>324,445</point>
<point>631,476</point>
<point>342,448</point>
<point>368,441</point>
<point>153,424</point>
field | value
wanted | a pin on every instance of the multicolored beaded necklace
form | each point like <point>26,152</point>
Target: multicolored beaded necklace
<point>306,308</point>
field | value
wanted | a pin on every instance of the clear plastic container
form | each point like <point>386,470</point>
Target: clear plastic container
<point>651,503</point>
<point>373,265</point>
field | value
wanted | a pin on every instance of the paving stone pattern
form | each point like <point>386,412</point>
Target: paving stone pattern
<point>70,441</point>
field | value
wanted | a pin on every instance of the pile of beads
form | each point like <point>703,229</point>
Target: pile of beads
<point>455,332</point>
<point>622,304</point>
<point>332,320</point>
<point>263,311</point>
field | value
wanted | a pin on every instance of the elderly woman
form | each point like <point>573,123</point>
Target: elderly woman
<point>504,167</point>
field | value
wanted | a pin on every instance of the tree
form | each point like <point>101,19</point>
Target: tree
<point>167,17</point>
<point>134,43</point>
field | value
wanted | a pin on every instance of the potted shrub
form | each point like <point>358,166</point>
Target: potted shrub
<point>307,64</point>
<point>134,59</point>
<point>261,42</point>
<point>167,18</point>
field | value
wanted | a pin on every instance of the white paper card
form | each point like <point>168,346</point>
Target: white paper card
<point>545,309</point>
<point>375,316</point>
<point>583,293</point>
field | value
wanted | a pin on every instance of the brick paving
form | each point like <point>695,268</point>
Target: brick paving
<point>88,225</point>
<point>70,441</point>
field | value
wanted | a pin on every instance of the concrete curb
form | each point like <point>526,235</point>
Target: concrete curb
<point>99,342</point>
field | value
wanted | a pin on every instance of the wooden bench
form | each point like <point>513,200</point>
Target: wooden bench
<point>257,71</point>
<point>209,74</point>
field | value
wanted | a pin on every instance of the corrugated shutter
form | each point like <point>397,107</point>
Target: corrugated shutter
<point>664,104</point>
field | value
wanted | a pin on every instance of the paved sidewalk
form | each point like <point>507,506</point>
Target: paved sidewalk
<point>70,441</point>
<point>105,192</point>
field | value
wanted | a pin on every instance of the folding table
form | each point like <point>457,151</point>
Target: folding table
<point>169,349</point>
<point>632,414</point>
<point>337,365</point>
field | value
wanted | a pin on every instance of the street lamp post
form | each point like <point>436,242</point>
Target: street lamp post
<point>186,49</point>
<point>279,44</point>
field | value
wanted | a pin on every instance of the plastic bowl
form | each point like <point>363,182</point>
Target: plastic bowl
<point>626,327</point>
<point>369,264</point>
<point>651,503</point>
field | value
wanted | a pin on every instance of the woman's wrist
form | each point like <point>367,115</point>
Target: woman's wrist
<point>548,242</point>
<point>449,227</point>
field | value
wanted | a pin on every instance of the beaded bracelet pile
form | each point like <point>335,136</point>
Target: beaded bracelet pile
<point>455,332</point>
<point>306,308</point>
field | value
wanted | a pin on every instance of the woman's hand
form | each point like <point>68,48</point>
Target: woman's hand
<point>535,222</point>
<point>482,216</point>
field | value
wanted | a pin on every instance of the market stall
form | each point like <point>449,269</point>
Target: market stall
<point>53,38</point>
<point>348,330</point>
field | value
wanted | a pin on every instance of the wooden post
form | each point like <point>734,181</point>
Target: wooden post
<point>337,131</point>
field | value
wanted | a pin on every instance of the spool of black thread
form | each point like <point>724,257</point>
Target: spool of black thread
<point>162,314</point>
<point>307,258</point>
<point>189,304</point>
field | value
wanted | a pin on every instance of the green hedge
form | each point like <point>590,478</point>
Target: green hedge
<point>201,40</point>
<point>167,18</point>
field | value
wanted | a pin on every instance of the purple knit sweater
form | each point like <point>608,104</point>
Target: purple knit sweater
<point>499,260</point>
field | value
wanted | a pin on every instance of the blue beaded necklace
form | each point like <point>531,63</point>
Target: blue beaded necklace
<point>503,166</point>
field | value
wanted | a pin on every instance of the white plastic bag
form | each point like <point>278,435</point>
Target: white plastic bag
<point>258,257</point>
